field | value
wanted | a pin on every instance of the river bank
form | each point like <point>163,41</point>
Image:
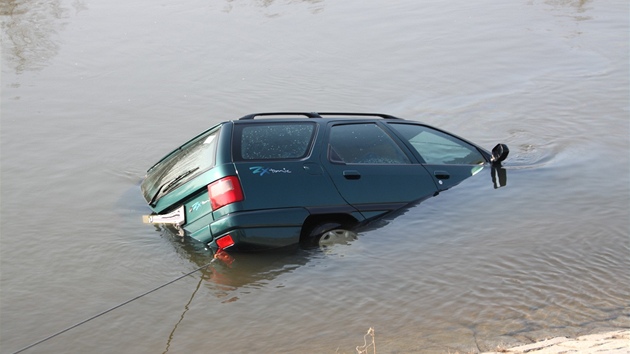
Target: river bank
<point>608,343</point>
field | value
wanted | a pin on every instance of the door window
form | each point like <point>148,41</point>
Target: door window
<point>438,148</point>
<point>364,143</point>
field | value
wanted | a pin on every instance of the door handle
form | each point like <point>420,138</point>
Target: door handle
<point>441,175</point>
<point>351,174</point>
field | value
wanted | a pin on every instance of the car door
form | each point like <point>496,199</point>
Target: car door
<point>449,159</point>
<point>371,171</point>
<point>275,168</point>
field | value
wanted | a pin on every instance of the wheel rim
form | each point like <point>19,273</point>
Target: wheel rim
<point>338,236</point>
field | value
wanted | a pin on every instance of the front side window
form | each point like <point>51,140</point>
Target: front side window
<point>364,143</point>
<point>275,141</point>
<point>439,148</point>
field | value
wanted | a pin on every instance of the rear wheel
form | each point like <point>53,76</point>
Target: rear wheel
<point>336,237</point>
<point>327,233</point>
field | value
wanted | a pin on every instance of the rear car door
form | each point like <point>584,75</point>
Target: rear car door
<point>449,159</point>
<point>274,164</point>
<point>371,171</point>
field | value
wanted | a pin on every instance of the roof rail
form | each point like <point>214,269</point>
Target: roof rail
<point>381,115</point>
<point>318,114</point>
<point>307,114</point>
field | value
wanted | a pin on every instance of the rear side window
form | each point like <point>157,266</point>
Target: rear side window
<point>439,148</point>
<point>277,141</point>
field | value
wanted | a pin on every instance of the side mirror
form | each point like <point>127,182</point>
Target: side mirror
<point>499,153</point>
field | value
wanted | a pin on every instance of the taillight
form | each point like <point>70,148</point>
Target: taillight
<point>225,191</point>
<point>225,242</point>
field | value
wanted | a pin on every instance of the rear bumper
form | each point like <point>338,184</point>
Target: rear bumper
<point>252,230</point>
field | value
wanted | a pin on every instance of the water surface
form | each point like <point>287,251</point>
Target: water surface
<point>93,93</point>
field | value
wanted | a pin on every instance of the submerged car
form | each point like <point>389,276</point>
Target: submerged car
<point>272,180</point>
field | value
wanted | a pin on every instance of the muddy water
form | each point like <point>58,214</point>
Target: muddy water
<point>94,92</point>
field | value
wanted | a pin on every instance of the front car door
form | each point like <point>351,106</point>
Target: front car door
<point>371,171</point>
<point>449,159</point>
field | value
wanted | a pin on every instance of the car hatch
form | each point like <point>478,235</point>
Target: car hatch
<point>180,166</point>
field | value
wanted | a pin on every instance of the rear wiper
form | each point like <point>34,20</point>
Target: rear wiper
<point>165,187</point>
<point>170,184</point>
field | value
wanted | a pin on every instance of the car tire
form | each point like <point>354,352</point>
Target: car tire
<point>337,237</point>
<point>328,229</point>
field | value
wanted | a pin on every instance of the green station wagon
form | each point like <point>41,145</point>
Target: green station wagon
<point>272,180</point>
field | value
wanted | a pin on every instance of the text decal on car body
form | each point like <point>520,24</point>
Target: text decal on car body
<point>260,170</point>
<point>197,205</point>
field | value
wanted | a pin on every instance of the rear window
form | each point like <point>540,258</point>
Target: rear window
<point>194,157</point>
<point>275,141</point>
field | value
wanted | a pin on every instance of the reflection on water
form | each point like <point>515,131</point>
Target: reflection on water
<point>229,272</point>
<point>575,10</point>
<point>499,176</point>
<point>579,6</point>
<point>30,32</point>
<point>314,6</point>
<point>181,318</point>
<point>223,276</point>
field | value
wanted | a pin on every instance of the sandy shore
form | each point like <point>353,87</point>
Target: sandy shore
<point>615,342</point>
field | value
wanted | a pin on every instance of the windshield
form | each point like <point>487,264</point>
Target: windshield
<point>192,158</point>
